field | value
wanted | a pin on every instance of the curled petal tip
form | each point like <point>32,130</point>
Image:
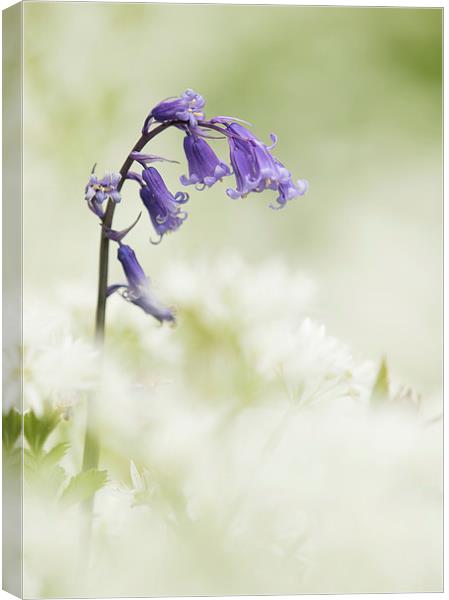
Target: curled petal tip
<point>274,141</point>
<point>303,186</point>
<point>233,194</point>
<point>157,242</point>
<point>181,197</point>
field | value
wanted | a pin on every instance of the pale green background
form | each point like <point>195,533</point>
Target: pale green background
<point>355,97</point>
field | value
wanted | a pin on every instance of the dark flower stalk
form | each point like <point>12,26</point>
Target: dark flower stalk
<point>107,223</point>
<point>91,452</point>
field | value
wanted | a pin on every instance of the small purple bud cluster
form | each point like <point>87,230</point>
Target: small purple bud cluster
<point>188,108</point>
<point>254,167</point>
<point>99,190</point>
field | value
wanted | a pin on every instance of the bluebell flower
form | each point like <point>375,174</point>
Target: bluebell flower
<point>187,107</point>
<point>138,289</point>
<point>243,166</point>
<point>205,168</point>
<point>288,190</point>
<point>256,169</point>
<point>163,207</point>
<point>99,190</point>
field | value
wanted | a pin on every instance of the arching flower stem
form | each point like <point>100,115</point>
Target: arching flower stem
<point>107,222</point>
<point>91,452</point>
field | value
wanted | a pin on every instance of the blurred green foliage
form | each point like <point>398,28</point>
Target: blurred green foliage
<point>11,429</point>
<point>44,475</point>
<point>381,389</point>
<point>83,486</point>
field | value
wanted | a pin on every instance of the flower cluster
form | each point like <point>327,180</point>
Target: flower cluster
<point>256,169</point>
<point>253,165</point>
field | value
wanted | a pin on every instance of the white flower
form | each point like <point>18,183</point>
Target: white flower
<point>256,462</point>
<point>58,368</point>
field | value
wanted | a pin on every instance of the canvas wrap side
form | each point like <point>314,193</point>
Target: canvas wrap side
<point>12,22</point>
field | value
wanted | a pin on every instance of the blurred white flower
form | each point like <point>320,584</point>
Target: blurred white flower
<point>231,290</point>
<point>58,368</point>
<point>243,451</point>
<point>312,365</point>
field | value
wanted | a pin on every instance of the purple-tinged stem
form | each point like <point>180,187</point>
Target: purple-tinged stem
<point>100,317</point>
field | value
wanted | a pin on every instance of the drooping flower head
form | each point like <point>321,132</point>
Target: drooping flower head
<point>163,207</point>
<point>99,190</point>
<point>138,290</point>
<point>205,168</point>
<point>256,169</point>
<point>188,107</point>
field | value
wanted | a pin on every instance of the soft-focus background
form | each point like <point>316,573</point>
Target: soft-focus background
<point>247,450</point>
<point>354,95</point>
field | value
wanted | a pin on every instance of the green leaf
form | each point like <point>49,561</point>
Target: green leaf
<point>83,486</point>
<point>55,479</point>
<point>46,483</point>
<point>37,429</point>
<point>381,389</point>
<point>11,428</point>
<point>55,454</point>
<point>42,471</point>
